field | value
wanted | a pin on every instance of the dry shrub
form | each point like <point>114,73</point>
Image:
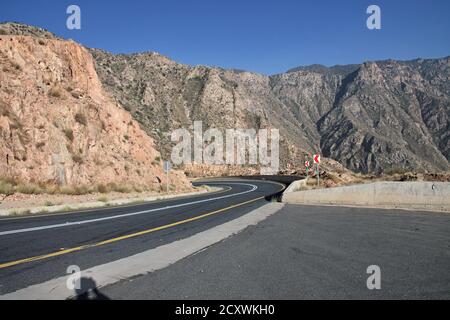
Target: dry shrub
<point>75,190</point>
<point>6,188</point>
<point>101,188</point>
<point>103,199</point>
<point>55,92</point>
<point>121,188</point>
<point>69,134</point>
<point>81,119</point>
<point>29,188</point>
<point>77,158</point>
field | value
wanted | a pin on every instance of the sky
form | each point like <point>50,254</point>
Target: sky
<point>268,37</point>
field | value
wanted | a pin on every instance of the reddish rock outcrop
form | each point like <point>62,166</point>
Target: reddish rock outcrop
<point>58,125</point>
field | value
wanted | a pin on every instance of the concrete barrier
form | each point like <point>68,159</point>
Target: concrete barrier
<point>408,195</point>
<point>296,185</point>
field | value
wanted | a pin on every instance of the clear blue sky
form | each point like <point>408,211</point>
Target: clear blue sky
<point>257,35</point>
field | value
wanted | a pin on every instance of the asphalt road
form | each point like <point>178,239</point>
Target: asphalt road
<point>312,252</point>
<point>36,249</point>
<point>233,244</point>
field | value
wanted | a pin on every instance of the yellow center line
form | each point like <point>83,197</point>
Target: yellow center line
<point>128,236</point>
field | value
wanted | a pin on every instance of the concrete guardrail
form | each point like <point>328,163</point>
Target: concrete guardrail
<point>409,195</point>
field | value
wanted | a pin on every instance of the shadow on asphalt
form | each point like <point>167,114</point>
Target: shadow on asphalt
<point>286,180</point>
<point>89,291</point>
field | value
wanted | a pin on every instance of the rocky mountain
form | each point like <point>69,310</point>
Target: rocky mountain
<point>58,125</point>
<point>381,116</point>
<point>374,117</point>
<point>164,95</point>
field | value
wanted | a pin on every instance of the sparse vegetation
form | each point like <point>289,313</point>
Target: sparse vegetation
<point>55,92</point>
<point>103,199</point>
<point>29,188</point>
<point>11,186</point>
<point>6,188</point>
<point>69,134</point>
<point>101,188</point>
<point>81,119</point>
<point>396,170</point>
<point>137,201</point>
<point>20,212</point>
<point>16,66</point>
<point>16,125</point>
<point>77,158</point>
<point>204,187</point>
<point>157,161</point>
<point>75,190</point>
<point>120,188</point>
<point>67,208</point>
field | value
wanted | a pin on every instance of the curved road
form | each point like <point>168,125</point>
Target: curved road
<point>39,248</point>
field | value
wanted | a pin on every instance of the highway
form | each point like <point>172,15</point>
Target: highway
<point>236,243</point>
<point>36,249</point>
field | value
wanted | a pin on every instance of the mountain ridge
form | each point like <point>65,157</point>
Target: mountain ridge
<point>372,117</point>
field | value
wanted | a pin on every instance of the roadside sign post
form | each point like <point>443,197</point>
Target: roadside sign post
<point>307,164</point>
<point>317,162</point>
<point>167,167</point>
<point>318,176</point>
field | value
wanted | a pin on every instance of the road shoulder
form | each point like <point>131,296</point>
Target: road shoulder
<point>148,261</point>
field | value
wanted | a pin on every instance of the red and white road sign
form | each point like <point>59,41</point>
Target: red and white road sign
<point>317,158</point>
<point>307,164</point>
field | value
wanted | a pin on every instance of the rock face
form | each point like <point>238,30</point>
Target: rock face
<point>377,116</point>
<point>373,118</point>
<point>58,125</point>
<point>164,95</point>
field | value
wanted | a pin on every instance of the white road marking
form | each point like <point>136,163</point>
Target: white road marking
<point>147,261</point>
<point>67,224</point>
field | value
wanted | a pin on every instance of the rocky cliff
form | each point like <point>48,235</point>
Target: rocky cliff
<point>58,125</point>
